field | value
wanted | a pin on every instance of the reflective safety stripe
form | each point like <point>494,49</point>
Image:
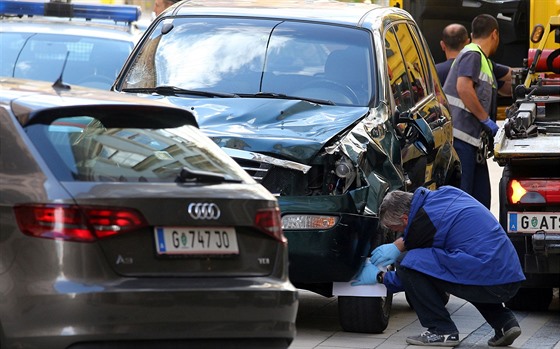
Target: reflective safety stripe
<point>457,102</point>
<point>485,78</point>
<point>465,137</point>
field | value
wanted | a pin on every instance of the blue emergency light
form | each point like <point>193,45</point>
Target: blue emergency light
<point>120,13</point>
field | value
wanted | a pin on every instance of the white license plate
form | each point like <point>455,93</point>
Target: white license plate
<point>530,222</point>
<point>196,241</point>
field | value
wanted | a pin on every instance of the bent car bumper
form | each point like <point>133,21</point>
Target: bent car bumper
<point>336,254</point>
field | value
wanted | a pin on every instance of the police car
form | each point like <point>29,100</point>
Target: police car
<point>84,44</point>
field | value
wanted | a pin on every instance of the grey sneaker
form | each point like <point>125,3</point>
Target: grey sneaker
<point>432,339</point>
<point>506,335</point>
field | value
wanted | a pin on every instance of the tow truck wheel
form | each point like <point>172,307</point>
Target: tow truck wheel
<point>364,314</point>
<point>531,299</point>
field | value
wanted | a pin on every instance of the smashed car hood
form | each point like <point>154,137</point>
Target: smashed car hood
<point>293,129</point>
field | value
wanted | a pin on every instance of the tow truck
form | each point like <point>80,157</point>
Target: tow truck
<point>527,146</point>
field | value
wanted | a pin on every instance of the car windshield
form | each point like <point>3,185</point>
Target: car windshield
<point>246,57</point>
<point>91,62</point>
<point>81,148</point>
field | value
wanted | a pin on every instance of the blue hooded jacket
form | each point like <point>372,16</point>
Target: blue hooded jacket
<point>452,237</point>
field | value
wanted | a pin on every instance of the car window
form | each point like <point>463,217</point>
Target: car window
<point>245,56</point>
<point>421,60</point>
<point>91,62</point>
<point>407,70</point>
<point>81,148</point>
<point>398,77</point>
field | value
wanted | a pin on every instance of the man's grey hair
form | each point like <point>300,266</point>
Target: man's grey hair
<point>394,205</point>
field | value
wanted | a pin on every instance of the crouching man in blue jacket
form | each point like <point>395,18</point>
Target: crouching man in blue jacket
<point>451,244</point>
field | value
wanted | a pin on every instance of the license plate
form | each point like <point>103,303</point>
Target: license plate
<point>196,241</point>
<point>530,222</point>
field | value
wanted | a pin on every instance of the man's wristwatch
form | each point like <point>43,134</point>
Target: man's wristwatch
<point>379,277</point>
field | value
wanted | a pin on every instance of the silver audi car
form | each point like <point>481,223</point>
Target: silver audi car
<point>123,226</point>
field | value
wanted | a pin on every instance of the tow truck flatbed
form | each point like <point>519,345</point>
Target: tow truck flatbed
<point>533,134</point>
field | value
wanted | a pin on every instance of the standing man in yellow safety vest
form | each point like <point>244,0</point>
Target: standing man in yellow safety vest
<point>471,90</point>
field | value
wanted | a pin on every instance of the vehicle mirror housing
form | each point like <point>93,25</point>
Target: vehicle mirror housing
<point>418,132</point>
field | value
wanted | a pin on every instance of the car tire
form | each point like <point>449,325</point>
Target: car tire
<point>364,314</point>
<point>531,299</point>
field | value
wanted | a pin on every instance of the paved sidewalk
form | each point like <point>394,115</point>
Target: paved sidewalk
<point>318,326</point>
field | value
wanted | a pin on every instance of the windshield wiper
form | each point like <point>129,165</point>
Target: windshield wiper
<point>173,91</point>
<point>284,96</point>
<point>189,175</point>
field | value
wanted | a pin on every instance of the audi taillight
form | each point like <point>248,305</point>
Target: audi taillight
<point>268,220</point>
<point>74,223</point>
<point>534,191</point>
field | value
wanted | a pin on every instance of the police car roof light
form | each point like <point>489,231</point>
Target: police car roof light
<point>120,13</point>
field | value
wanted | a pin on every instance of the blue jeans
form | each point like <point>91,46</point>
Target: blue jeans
<point>426,295</point>
<point>475,179</point>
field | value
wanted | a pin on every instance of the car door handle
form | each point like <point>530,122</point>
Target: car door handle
<point>504,17</point>
<point>470,3</point>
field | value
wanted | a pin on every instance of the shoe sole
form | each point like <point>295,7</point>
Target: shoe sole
<point>509,337</point>
<point>433,344</point>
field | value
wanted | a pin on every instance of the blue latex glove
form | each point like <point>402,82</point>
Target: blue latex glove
<point>385,254</point>
<point>491,125</point>
<point>368,275</point>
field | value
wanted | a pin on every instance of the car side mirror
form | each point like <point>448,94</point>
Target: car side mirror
<point>418,132</point>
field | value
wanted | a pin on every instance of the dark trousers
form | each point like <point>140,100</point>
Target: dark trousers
<point>475,178</point>
<point>426,295</point>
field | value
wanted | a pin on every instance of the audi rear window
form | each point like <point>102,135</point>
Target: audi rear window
<point>82,148</point>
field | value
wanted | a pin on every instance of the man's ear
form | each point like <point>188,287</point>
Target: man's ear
<point>404,217</point>
<point>442,44</point>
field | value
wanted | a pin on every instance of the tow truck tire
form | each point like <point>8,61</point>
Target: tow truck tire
<point>531,299</point>
<point>364,314</point>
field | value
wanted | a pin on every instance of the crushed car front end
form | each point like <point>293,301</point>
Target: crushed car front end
<point>329,203</point>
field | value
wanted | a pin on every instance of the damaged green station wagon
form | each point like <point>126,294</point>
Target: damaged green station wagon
<point>329,105</point>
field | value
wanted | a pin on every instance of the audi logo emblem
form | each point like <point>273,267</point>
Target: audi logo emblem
<point>204,211</point>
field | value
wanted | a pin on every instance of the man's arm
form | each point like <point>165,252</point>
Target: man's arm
<point>467,93</point>
<point>504,81</point>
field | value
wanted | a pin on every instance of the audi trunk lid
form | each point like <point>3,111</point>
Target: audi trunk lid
<point>198,215</point>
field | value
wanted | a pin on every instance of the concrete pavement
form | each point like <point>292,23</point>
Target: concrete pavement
<point>318,326</point>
